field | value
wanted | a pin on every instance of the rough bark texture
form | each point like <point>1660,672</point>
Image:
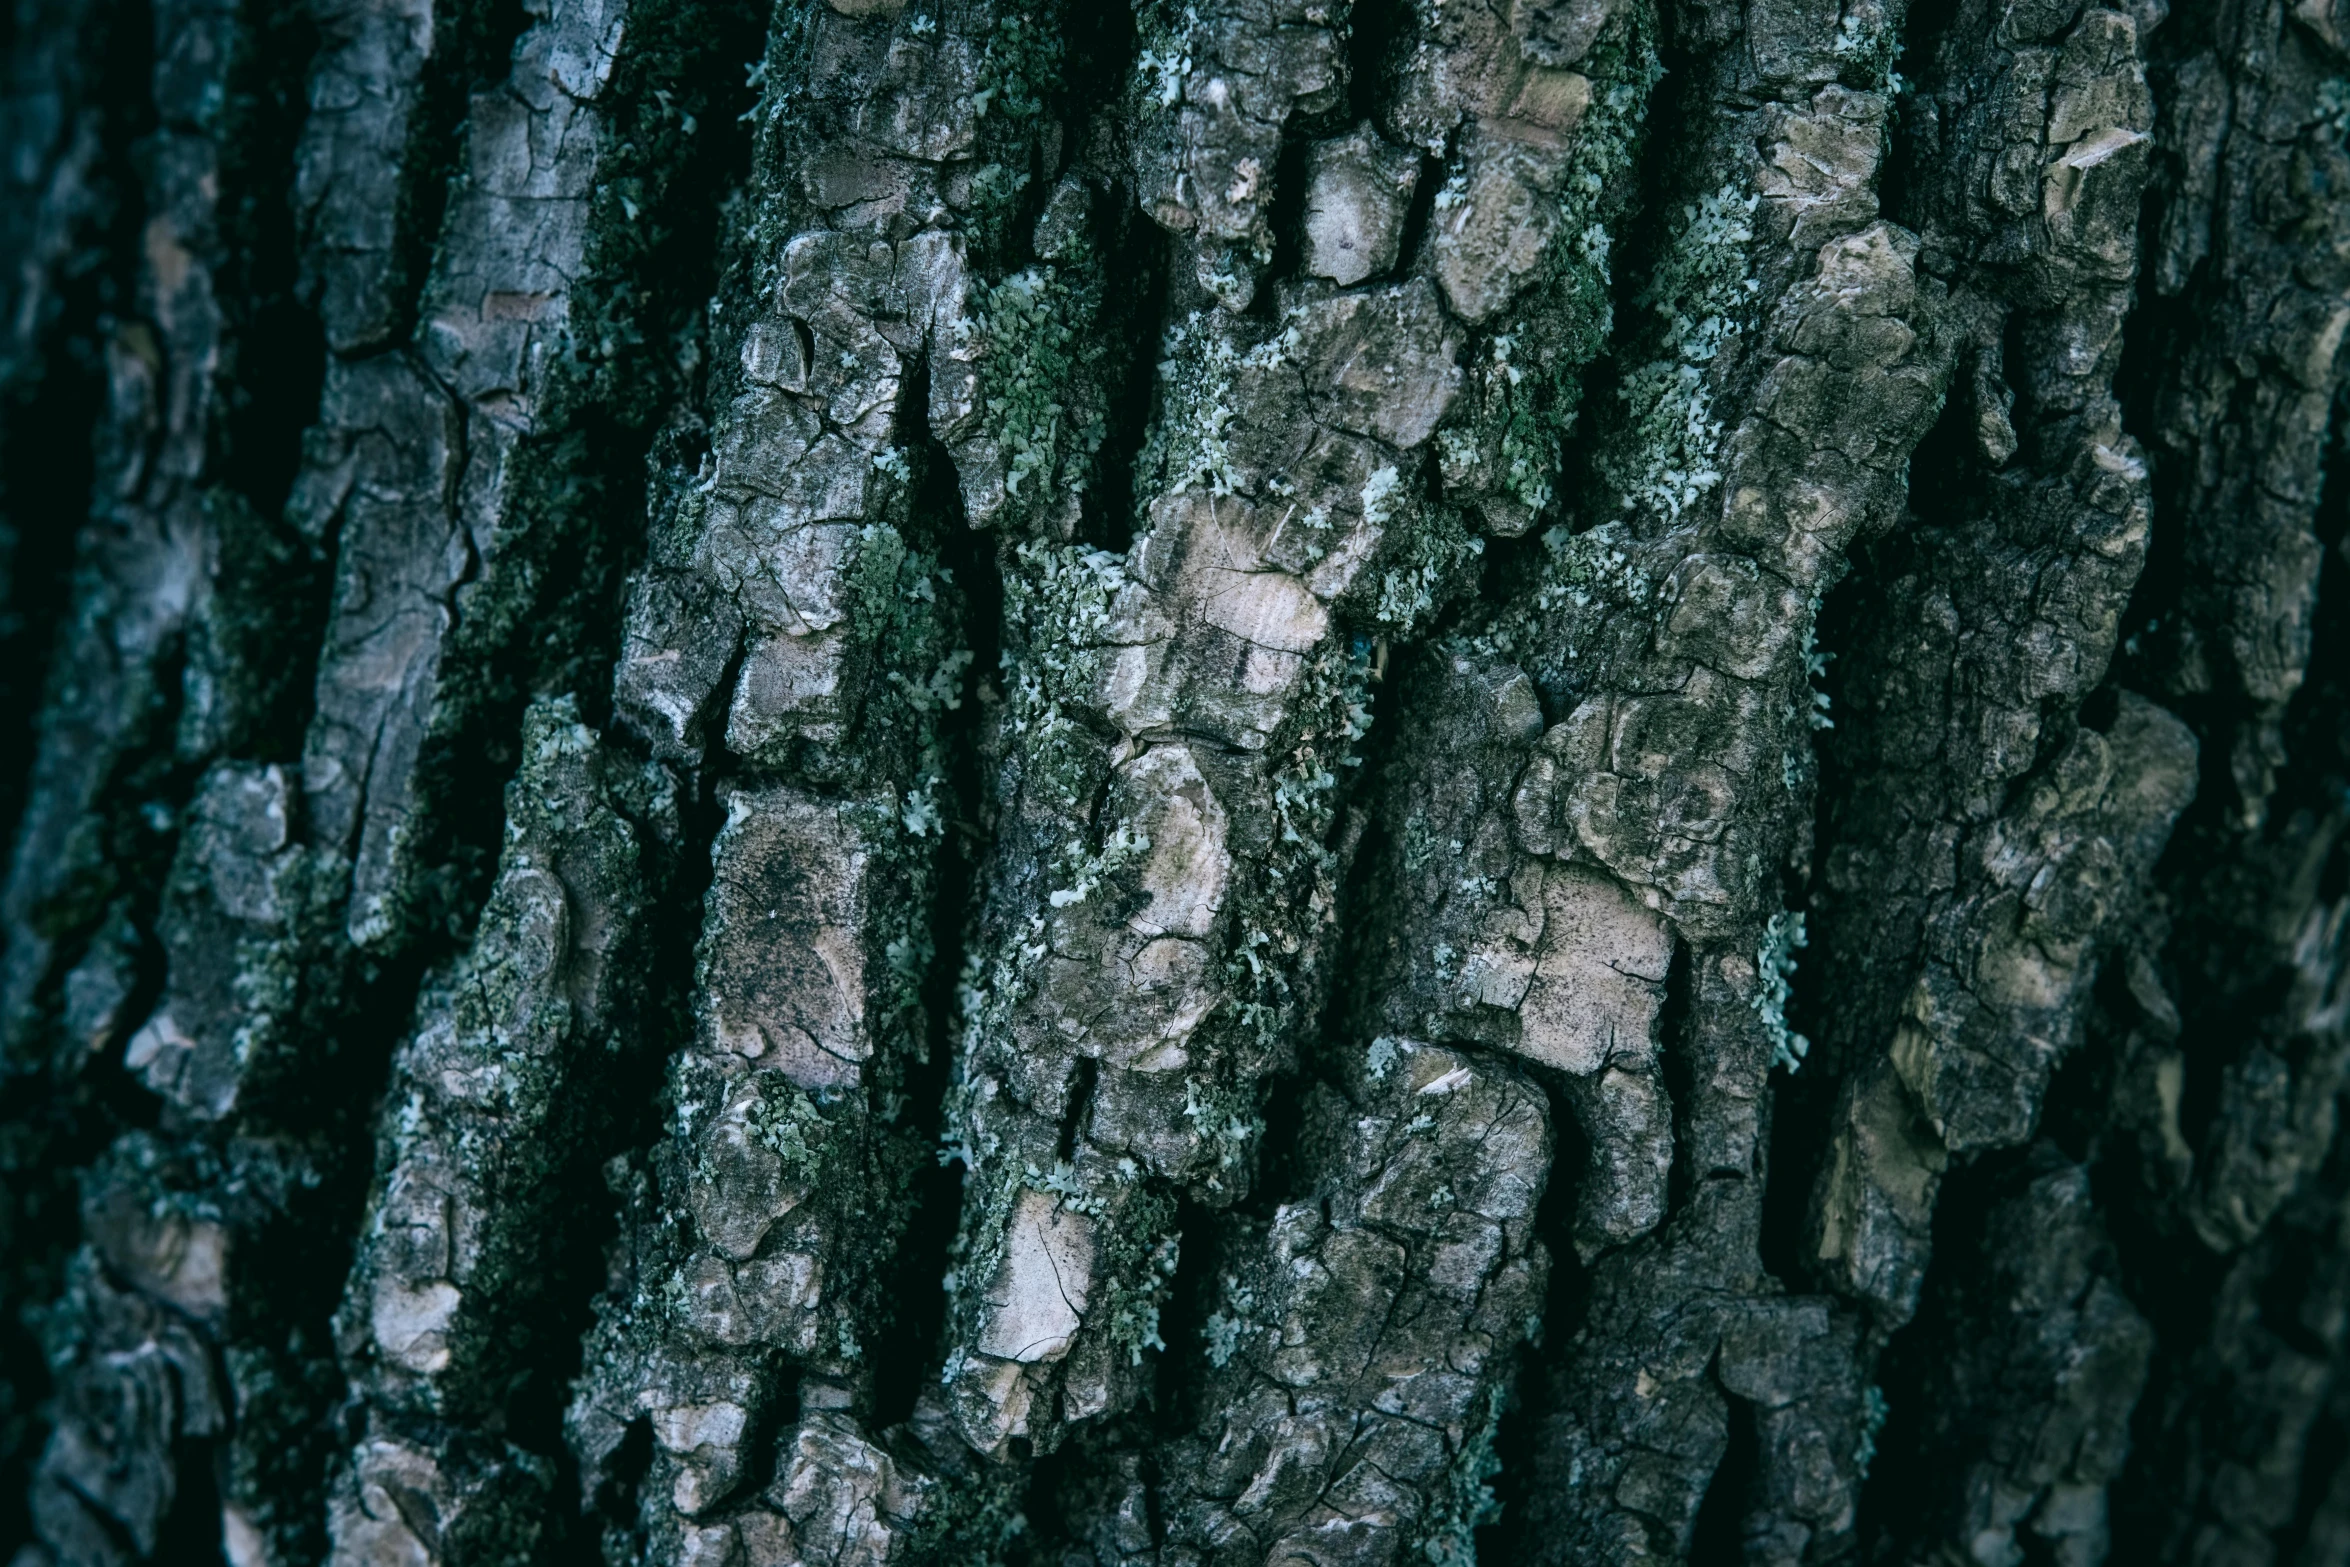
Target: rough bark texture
<point>1255,782</point>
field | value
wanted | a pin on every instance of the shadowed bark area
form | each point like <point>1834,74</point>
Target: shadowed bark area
<point>1020,783</point>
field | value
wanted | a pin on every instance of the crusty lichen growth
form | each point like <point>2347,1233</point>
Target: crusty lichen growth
<point>1465,1502</point>
<point>1185,447</point>
<point>1702,294</point>
<point>1524,393</point>
<point>1774,966</point>
<point>1020,83</point>
<point>1038,330</point>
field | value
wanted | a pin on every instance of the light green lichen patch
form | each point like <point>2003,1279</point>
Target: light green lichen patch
<point>972,1520</point>
<point>1020,77</point>
<point>1420,567</point>
<point>1282,911</point>
<point>1525,381</point>
<point>1134,1270</point>
<point>1774,963</point>
<point>906,615</point>
<point>1041,380</point>
<point>1185,448</point>
<point>1464,1501</point>
<point>1703,291</point>
<point>793,1128</point>
<point>1057,608</point>
<point>1874,1411</point>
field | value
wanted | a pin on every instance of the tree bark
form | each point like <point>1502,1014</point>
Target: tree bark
<point>1273,781</point>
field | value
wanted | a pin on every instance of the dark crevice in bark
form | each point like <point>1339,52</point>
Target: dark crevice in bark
<point>2322,1458</point>
<point>547,619</point>
<point>1286,214</point>
<point>1518,1439</point>
<point>1136,258</point>
<point>47,458</point>
<point>615,1503</point>
<point>1284,1173</point>
<point>1195,1296</point>
<point>1911,120</point>
<point>2075,1114</point>
<point>48,421</point>
<point>1903,1503</point>
<point>2225,963</point>
<point>1505,568</point>
<point>1417,215</point>
<point>619,1106</point>
<point>1132,269</point>
<point>2193,1418</point>
<point>1374,27</point>
<point>1832,1000</point>
<point>1718,1537</point>
<point>1800,1106</point>
<point>1052,1478</point>
<point>779,1411</point>
<point>272,587</point>
<point>1081,1086</point>
<point>925,1246</point>
<point>274,592</point>
<point>1801,1102</point>
<point>289,1274</point>
<point>58,1117</point>
<point>46,470</point>
<point>1674,1020</point>
<point>276,351</point>
<point>1896,1479</point>
<point>472,43</point>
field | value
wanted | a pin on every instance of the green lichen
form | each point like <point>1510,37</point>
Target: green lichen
<point>991,1187</point>
<point>906,616</point>
<point>1815,668</point>
<point>1135,1259</point>
<point>1057,619</point>
<point>1667,456</point>
<point>1020,81</point>
<point>1874,1411</point>
<point>972,1520</point>
<point>793,1128</point>
<point>1774,967</point>
<point>1042,380</point>
<point>1464,1501</point>
<point>1186,448</point>
<point>1282,910</point>
<point>1420,568</point>
<point>1526,380</point>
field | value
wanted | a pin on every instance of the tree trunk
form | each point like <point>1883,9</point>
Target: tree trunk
<point>964,782</point>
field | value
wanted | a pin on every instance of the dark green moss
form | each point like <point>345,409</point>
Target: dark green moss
<point>1021,88</point>
<point>472,41</point>
<point>974,1520</point>
<point>258,642</point>
<point>546,616</point>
